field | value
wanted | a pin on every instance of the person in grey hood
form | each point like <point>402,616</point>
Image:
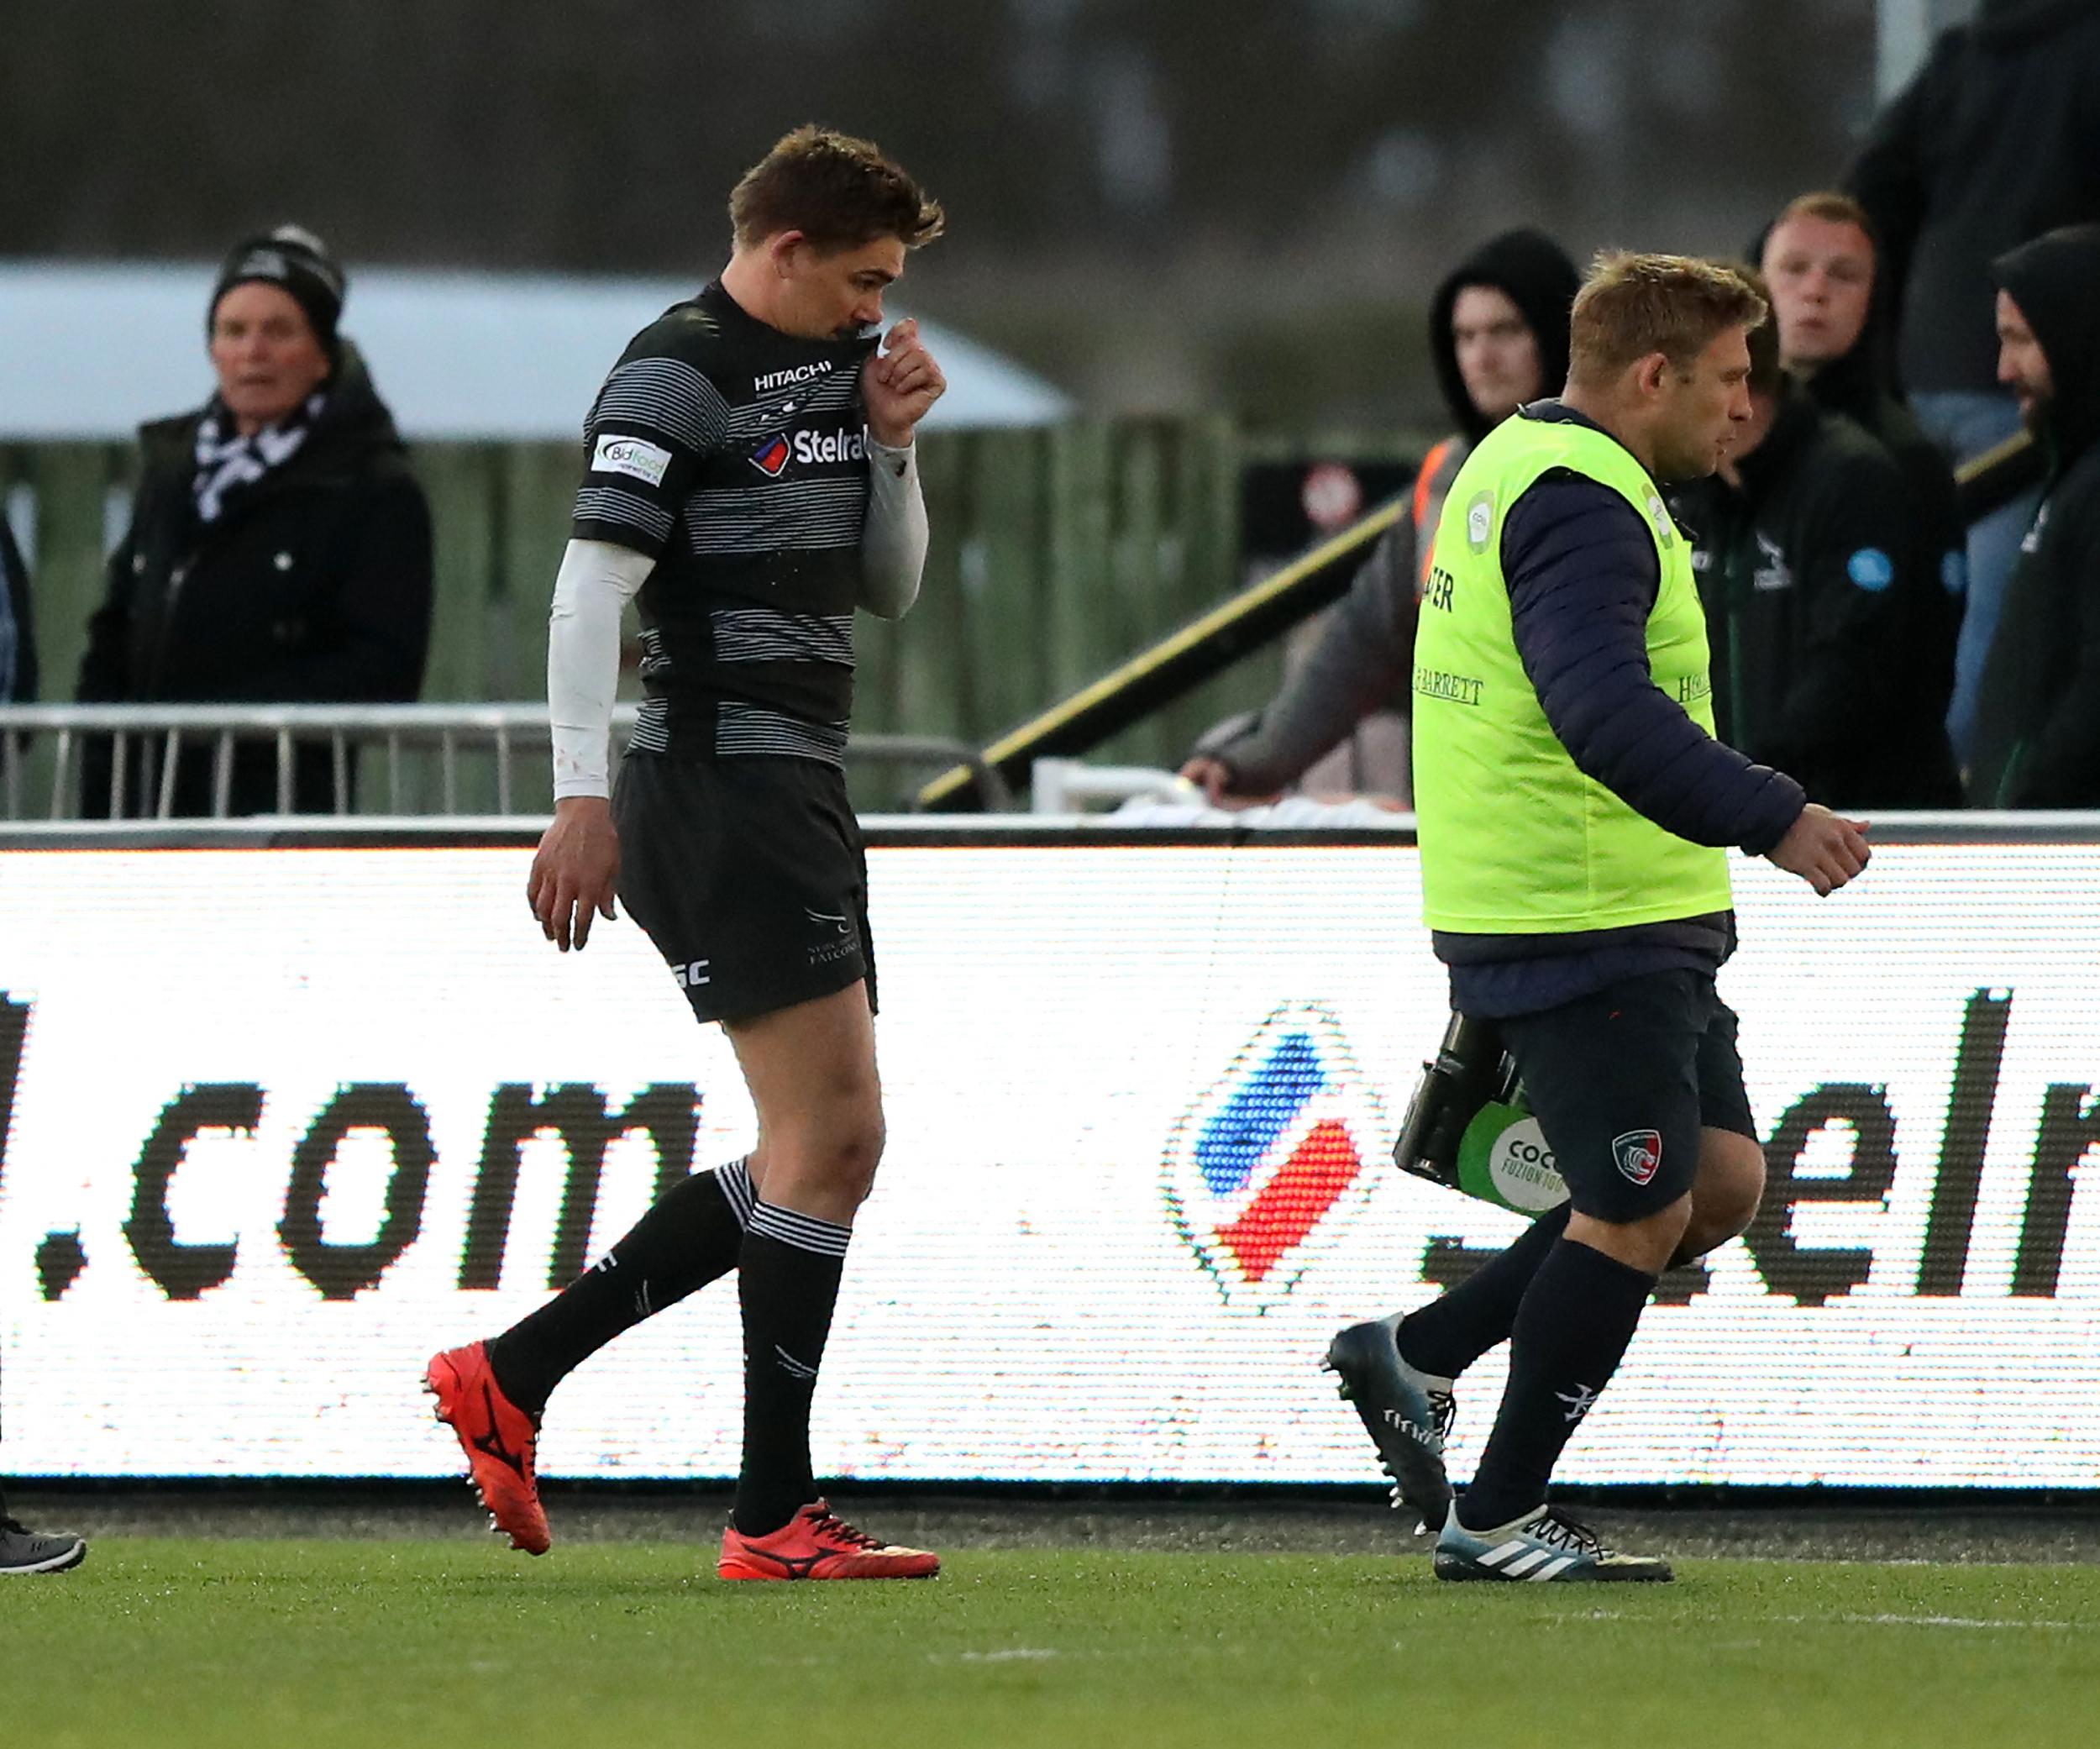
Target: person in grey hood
<point>1996,141</point>
<point>2038,714</point>
<point>1498,334</point>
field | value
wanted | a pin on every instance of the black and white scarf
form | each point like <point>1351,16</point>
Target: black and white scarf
<point>228,463</point>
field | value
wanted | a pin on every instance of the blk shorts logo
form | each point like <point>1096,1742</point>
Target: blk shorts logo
<point>1638,1155</point>
<point>1268,1164</point>
<point>772,458</point>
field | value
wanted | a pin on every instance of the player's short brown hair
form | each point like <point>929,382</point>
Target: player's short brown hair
<point>1830,206</point>
<point>1633,305</point>
<point>839,191</point>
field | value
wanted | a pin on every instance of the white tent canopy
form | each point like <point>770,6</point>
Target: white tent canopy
<point>91,351</point>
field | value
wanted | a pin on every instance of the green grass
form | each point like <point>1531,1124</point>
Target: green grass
<point>249,1645</point>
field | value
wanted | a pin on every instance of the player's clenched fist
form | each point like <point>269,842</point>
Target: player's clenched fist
<point>900,383</point>
<point>1824,848</point>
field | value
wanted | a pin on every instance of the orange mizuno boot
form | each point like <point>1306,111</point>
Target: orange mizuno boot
<point>816,1545</point>
<point>498,1438</point>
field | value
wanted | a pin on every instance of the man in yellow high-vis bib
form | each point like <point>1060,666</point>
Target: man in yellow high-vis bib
<point>1575,817</point>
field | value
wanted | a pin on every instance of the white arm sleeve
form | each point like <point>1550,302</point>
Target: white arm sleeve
<point>893,542</point>
<point>597,580</point>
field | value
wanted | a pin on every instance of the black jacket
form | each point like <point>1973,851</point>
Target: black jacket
<point>18,630</point>
<point>313,587</point>
<point>1859,386</point>
<point>1995,140</point>
<point>1831,626</point>
<point>2038,707</point>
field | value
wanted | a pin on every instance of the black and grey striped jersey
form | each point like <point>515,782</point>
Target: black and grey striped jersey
<point>736,456</point>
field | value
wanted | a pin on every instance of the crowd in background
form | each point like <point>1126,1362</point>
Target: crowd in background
<point>1874,634</point>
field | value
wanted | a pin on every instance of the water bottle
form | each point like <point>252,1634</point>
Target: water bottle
<point>1469,1128</point>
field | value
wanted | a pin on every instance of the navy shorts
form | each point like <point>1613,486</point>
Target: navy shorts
<point>749,875</point>
<point>1622,1083</point>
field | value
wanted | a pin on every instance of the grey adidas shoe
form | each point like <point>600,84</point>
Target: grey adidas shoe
<point>1407,1413</point>
<point>1541,1545</point>
<point>23,1551</point>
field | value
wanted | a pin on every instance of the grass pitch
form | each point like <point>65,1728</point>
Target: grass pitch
<point>312,1644</point>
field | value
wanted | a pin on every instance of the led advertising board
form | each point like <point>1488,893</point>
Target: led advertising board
<point>280,1123</point>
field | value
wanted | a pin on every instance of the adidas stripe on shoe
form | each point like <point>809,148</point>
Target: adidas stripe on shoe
<point>1540,1548</point>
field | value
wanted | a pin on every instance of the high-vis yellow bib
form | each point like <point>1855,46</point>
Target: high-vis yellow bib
<point>1515,840</point>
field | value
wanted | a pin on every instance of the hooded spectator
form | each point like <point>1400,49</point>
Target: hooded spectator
<point>1995,140</point>
<point>2037,722</point>
<point>1498,336</point>
<point>279,550</point>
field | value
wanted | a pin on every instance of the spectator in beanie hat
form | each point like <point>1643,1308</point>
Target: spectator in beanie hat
<point>279,550</point>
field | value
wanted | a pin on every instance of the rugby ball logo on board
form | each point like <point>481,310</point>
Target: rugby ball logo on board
<point>1269,1165</point>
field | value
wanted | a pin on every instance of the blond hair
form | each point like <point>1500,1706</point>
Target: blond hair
<point>1634,305</point>
<point>1830,207</point>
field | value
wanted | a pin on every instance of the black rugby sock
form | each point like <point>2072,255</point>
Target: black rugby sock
<point>1572,1331</point>
<point>688,1238</point>
<point>787,1279</point>
<point>1455,1329</point>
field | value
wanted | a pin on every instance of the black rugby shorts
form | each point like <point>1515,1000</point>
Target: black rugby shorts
<point>1622,1083</point>
<point>749,875</point>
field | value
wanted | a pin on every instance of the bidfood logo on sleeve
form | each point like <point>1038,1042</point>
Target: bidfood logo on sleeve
<point>636,457</point>
<point>1268,1164</point>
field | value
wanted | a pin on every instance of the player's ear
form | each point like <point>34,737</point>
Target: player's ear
<point>1648,375</point>
<point>786,251</point>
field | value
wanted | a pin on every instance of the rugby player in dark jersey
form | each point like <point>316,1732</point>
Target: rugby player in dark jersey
<point>750,483</point>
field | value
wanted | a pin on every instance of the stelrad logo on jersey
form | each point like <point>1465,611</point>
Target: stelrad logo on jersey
<point>810,448</point>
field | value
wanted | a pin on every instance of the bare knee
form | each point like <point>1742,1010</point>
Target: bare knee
<point>1726,1193</point>
<point>824,1165</point>
<point>1646,1244</point>
<point>853,1153</point>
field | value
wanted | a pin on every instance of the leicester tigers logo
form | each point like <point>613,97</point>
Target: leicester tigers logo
<point>1638,1154</point>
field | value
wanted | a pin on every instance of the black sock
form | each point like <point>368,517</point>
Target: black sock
<point>1455,1329</point>
<point>788,1281</point>
<point>1571,1333</point>
<point>686,1240</point>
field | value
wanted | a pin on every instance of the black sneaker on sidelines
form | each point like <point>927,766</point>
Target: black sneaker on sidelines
<point>23,1551</point>
<point>1407,1413</point>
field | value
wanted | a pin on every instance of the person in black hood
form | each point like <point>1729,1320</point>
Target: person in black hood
<point>1995,141</point>
<point>1831,635</point>
<point>1498,337</point>
<point>2037,718</point>
<point>279,551</point>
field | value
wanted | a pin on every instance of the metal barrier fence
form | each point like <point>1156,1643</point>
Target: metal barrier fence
<point>1055,552</point>
<point>443,760</point>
